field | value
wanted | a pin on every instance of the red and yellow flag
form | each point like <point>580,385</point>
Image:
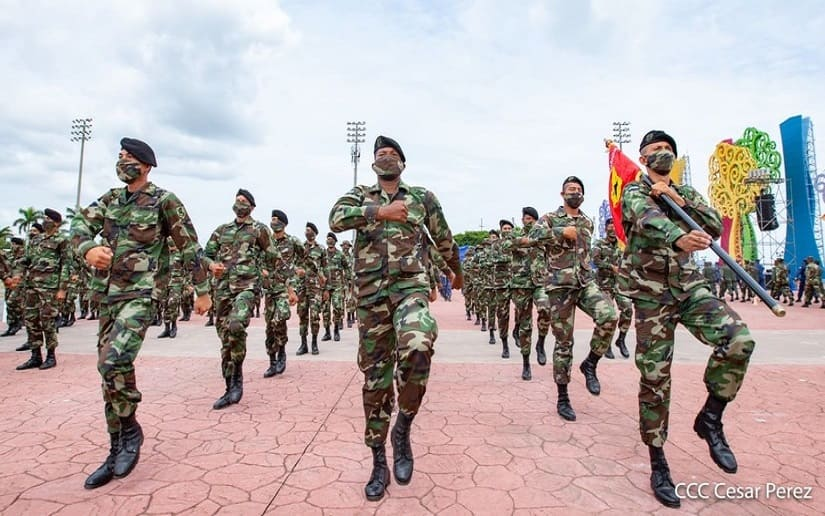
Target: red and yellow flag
<point>622,171</point>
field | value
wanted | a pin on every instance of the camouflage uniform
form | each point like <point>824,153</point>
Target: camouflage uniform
<point>667,290</point>
<point>468,289</point>
<point>174,290</point>
<point>134,226</point>
<point>397,331</point>
<point>277,311</point>
<point>570,283</point>
<point>47,263</point>
<point>350,301</point>
<point>499,258</point>
<point>15,297</point>
<point>780,285</point>
<point>309,290</point>
<point>709,273</point>
<point>337,273</point>
<point>606,256</point>
<point>728,284</point>
<point>813,283</point>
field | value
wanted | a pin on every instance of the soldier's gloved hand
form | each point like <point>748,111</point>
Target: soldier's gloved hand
<point>569,233</point>
<point>395,211</point>
<point>217,269</point>
<point>202,304</point>
<point>99,257</point>
<point>694,241</point>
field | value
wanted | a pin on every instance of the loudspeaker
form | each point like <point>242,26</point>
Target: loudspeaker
<point>766,212</point>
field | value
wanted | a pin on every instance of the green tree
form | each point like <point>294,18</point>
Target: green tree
<point>28,216</point>
<point>5,235</point>
<point>470,237</point>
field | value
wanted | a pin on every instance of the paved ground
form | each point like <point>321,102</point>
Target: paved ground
<point>485,442</point>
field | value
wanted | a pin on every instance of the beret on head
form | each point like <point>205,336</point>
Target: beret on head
<point>332,236</point>
<point>656,136</point>
<point>38,226</point>
<point>385,141</point>
<point>17,241</point>
<point>573,179</point>
<point>529,210</point>
<point>493,232</point>
<point>281,216</point>
<point>313,227</point>
<point>53,214</point>
<point>504,222</point>
<point>608,220</point>
<point>140,150</point>
<point>248,196</point>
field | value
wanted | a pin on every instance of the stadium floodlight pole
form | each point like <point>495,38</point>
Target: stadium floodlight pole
<point>621,133</point>
<point>81,131</point>
<point>355,135</point>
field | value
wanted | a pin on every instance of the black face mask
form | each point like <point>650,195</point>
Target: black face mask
<point>574,200</point>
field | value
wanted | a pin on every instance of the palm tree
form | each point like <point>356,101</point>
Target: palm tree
<point>71,213</point>
<point>28,216</point>
<point>5,234</point>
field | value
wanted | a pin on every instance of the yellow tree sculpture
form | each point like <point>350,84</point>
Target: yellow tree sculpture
<point>728,167</point>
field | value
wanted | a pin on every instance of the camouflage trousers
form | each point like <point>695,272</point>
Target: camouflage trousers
<point>351,300</point>
<point>594,302</point>
<point>812,289</point>
<point>310,300</point>
<point>68,306</point>
<point>395,341</point>
<point>120,335</point>
<point>523,300</point>
<point>625,308</point>
<point>467,292</point>
<point>781,289</point>
<point>335,304</point>
<point>15,299</point>
<point>485,302</point>
<point>478,301</point>
<point>728,286</point>
<point>232,315</point>
<point>276,314</point>
<point>40,313</point>
<point>712,322</point>
<point>499,309</point>
<point>187,300</point>
<point>171,303</point>
<point>84,295</point>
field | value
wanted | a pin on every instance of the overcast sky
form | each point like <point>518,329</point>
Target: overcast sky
<point>493,102</point>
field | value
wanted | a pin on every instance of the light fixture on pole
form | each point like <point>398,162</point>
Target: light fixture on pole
<point>355,135</point>
<point>621,133</point>
<point>81,131</point>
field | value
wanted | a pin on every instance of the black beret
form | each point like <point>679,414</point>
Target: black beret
<point>493,232</point>
<point>53,214</point>
<point>656,136</point>
<point>248,196</point>
<point>505,222</point>
<point>313,227</point>
<point>608,220</point>
<point>385,141</point>
<point>332,236</point>
<point>38,226</point>
<point>140,150</point>
<point>17,240</point>
<point>529,210</point>
<point>573,179</point>
<point>281,216</point>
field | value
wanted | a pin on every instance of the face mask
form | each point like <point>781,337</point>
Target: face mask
<point>388,167</point>
<point>277,227</point>
<point>661,161</point>
<point>241,209</point>
<point>49,225</point>
<point>611,234</point>
<point>127,171</point>
<point>574,200</point>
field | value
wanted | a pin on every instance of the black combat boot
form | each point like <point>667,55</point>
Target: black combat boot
<point>327,335</point>
<point>588,369</point>
<point>483,324</point>
<point>541,356</point>
<point>526,374</point>
<point>402,466</point>
<point>469,317</point>
<point>26,346</point>
<point>236,385</point>
<point>708,426</point>
<point>106,471</point>
<point>223,401</point>
<point>72,319</point>
<point>60,321</point>
<point>314,343</point>
<point>269,373</point>
<point>173,330</point>
<point>663,488</point>
<point>302,349</point>
<point>210,321</point>
<point>7,333</point>
<point>621,344</point>
<point>92,315</point>
<point>478,320</point>
<point>380,477</point>
<point>563,407</point>
<point>336,333</point>
<point>515,334</point>
<point>492,336</point>
<point>131,438</point>
<point>36,360</point>
<point>280,362</point>
<point>187,314</point>
<point>165,332</point>
<point>505,349</point>
<point>83,313</point>
<point>50,360</point>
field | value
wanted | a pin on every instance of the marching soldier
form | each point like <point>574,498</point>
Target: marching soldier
<point>606,258</point>
<point>337,274</point>
<point>14,294</point>
<point>346,248</point>
<point>311,294</point>
<point>781,285</point>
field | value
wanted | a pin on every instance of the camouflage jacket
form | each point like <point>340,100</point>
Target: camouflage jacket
<point>606,255</point>
<point>48,262</point>
<point>437,266</point>
<point>813,274</point>
<point>243,248</point>
<point>391,257</point>
<point>528,265</point>
<point>728,274</point>
<point>337,269</point>
<point>568,262</point>
<point>653,268</point>
<point>292,252</point>
<point>135,227</point>
<point>709,274</point>
<point>314,265</point>
<point>482,275</point>
<point>498,260</point>
<point>780,275</point>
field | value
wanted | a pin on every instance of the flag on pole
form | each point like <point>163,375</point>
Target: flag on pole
<point>622,171</point>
